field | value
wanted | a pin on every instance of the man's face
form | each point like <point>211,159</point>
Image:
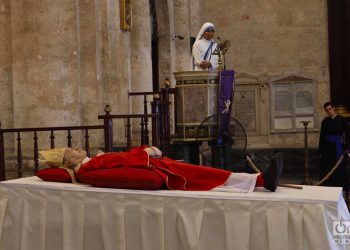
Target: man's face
<point>209,34</point>
<point>330,110</point>
<point>74,155</point>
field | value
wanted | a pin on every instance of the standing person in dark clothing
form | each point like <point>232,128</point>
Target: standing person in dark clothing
<point>334,139</point>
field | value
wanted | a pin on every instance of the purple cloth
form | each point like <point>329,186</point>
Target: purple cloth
<point>225,100</point>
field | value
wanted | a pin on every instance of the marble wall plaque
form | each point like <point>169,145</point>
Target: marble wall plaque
<point>293,100</point>
<point>304,99</point>
<point>244,108</point>
<point>283,102</point>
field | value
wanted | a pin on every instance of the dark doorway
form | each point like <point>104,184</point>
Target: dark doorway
<point>154,30</point>
<point>339,51</point>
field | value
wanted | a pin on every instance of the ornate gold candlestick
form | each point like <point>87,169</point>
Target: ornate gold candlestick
<point>220,51</point>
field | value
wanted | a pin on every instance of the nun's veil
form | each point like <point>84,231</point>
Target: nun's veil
<point>206,26</point>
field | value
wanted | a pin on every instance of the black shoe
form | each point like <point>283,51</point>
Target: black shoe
<point>273,173</point>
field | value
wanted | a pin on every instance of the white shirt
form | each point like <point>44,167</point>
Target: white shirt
<point>86,159</point>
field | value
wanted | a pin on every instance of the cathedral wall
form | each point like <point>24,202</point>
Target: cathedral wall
<point>62,62</point>
<point>45,63</point>
<point>276,37</point>
<point>176,18</point>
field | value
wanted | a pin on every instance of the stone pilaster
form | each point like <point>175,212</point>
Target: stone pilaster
<point>166,40</point>
<point>113,56</point>
<point>196,19</point>
<point>6,104</point>
<point>182,24</point>
<point>141,61</point>
<point>87,14</point>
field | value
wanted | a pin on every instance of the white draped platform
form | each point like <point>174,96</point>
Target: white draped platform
<point>38,215</point>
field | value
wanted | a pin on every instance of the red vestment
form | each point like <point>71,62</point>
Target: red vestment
<point>174,174</point>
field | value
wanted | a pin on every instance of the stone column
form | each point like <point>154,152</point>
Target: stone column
<point>6,101</point>
<point>141,61</point>
<point>112,55</point>
<point>196,20</point>
<point>174,18</point>
<point>87,13</point>
<point>166,40</point>
<point>182,24</point>
<point>113,67</point>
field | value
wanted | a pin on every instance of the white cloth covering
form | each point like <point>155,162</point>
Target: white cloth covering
<point>238,182</point>
<point>200,47</point>
<point>85,160</point>
<point>38,215</point>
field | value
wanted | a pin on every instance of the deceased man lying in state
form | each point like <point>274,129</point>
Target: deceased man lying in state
<point>144,168</point>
